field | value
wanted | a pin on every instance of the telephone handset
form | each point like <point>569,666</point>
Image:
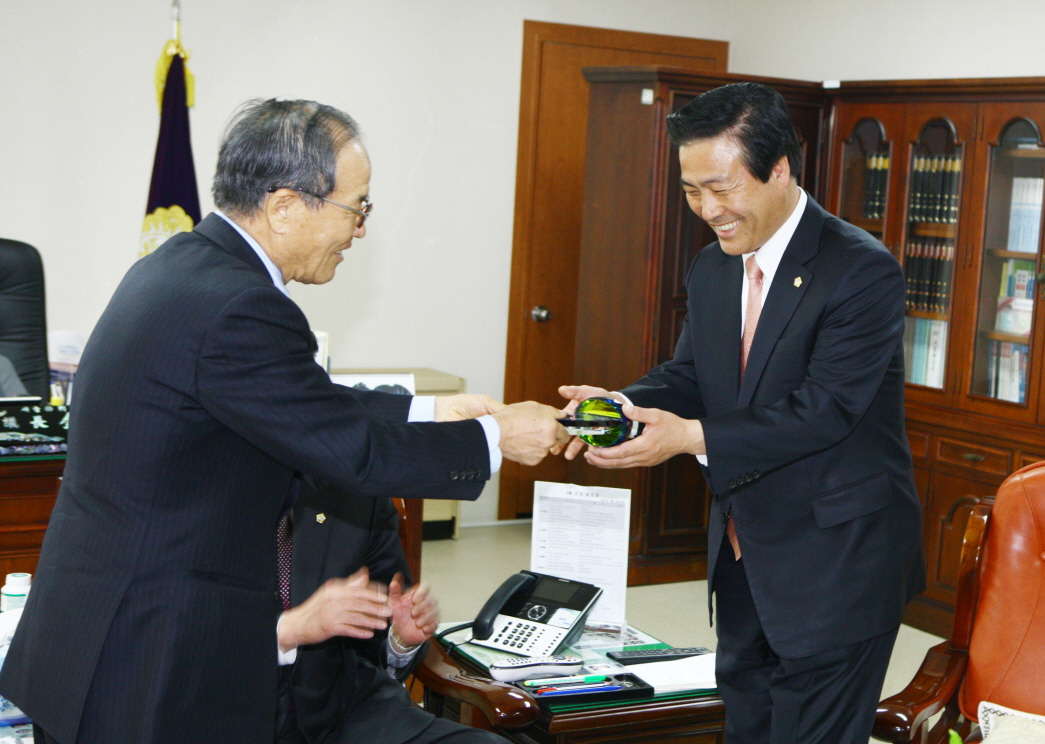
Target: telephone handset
<point>534,614</point>
<point>482,628</point>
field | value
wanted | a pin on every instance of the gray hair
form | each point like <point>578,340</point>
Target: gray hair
<point>279,144</point>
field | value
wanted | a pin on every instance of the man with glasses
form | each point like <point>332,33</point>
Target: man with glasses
<point>153,616</point>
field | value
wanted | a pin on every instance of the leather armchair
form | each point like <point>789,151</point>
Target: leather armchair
<point>997,647</point>
<point>23,320</point>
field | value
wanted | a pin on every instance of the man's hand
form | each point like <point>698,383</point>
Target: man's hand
<point>529,431</point>
<point>415,613</point>
<point>575,394</point>
<point>665,436</point>
<point>353,607</point>
<point>461,407</point>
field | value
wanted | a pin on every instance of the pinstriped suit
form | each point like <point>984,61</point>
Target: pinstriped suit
<point>152,616</point>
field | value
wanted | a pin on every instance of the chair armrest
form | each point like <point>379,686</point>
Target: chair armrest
<point>505,706</point>
<point>900,717</point>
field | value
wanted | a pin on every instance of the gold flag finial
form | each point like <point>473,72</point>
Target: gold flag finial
<point>171,48</point>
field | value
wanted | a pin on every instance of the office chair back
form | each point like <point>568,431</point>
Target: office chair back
<point>23,320</point>
<point>1007,646</point>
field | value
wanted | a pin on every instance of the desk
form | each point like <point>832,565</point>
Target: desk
<point>28,488</point>
<point>470,697</point>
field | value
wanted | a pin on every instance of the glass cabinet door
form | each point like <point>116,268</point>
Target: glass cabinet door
<point>864,186</point>
<point>1009,264</point>
<point>933,209</point>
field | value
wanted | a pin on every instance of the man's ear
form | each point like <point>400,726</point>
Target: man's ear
<point>279,208</point>
<point>781,172</point>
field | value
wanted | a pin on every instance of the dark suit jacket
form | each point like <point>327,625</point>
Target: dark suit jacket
<point>810,451</point>
<point>153,612</point>
<point>341,684</point>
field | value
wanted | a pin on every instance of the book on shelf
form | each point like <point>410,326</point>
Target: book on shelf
<point>925,347</point>
<point>935,187</point>
<point>1025,215</point>
<point>876,176</point>
<point>928,265</point>
<point>1007,371</point>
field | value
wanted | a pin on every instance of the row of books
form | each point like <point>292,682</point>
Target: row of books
<point>928,265</point>
<point>935,185</point>
<point>1007,371</point>
<point>876,178</point>
<point>925,350</point>
<point>1025,214</point>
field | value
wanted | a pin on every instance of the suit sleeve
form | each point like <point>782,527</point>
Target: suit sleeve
<point>861,327</point>
<point>256,375</point>
<point>671,386</point>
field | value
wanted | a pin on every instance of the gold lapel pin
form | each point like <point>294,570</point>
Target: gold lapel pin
<point>321,517</point>
<point>798,281</point>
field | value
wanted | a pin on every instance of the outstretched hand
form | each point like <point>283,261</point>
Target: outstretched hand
<point>353,607</point>
<point>415,613</point>
<point>529,431</point>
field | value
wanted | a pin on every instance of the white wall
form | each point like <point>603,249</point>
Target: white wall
<point>435,87</point>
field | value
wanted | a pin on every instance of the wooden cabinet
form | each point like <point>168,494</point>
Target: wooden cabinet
<point>949,175</point>
<point>962,210</point>
<point>28,488</point>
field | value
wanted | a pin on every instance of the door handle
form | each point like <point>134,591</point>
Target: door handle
<point>541,314</point>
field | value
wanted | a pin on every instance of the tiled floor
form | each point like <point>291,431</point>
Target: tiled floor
<point>464,572</point>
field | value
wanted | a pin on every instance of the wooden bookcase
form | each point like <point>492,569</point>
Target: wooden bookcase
<point>933,169</point>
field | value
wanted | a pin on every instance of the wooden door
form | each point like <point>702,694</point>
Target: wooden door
<point>549,191</point>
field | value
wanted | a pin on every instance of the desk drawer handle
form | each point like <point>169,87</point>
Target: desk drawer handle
<point>970,457</point>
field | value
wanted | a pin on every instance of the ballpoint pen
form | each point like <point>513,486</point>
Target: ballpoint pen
<point>570,690</point>
<point>564,680</point>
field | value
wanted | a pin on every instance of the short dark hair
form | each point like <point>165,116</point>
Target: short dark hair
<point>279,144</point>
<point>754,115</point>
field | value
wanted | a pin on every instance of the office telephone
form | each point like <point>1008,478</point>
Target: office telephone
<point>534,614</point>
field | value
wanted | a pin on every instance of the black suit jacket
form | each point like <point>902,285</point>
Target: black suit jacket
<point>152,616</point>
<point>810,451</point>
<point>341,684</point>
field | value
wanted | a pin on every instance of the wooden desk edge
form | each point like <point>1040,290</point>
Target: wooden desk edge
<point>504,705</point>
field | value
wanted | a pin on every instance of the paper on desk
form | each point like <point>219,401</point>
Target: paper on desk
<point>581,533</point>
<point>681,675</point>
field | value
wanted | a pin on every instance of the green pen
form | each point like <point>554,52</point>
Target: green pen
<point>563,680</point>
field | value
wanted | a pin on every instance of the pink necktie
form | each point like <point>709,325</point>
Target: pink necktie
<point>754,309</point>
<point>285,552</point>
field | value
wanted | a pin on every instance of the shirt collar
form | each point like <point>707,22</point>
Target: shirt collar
<point>772,251</point>
<point>273,270</point>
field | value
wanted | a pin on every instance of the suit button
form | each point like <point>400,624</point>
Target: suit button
<point>732,484</point>
<point>454,475</point>
<point>478,474</point>
<point>757,474</point>
<point>748,478</point>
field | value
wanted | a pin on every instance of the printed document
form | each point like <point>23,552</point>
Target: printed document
<point>581,533</point>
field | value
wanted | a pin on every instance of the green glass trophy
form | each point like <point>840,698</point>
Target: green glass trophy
<point>601,423</point>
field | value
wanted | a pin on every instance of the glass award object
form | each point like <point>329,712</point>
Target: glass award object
<point>601,423</point>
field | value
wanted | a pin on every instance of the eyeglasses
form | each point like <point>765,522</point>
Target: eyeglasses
<point>367,205</point>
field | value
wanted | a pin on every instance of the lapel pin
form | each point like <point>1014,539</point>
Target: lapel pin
<point>321,517</point>
<point>798,281</point>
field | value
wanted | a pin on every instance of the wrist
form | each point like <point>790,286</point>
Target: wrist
<point>397,643</point>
